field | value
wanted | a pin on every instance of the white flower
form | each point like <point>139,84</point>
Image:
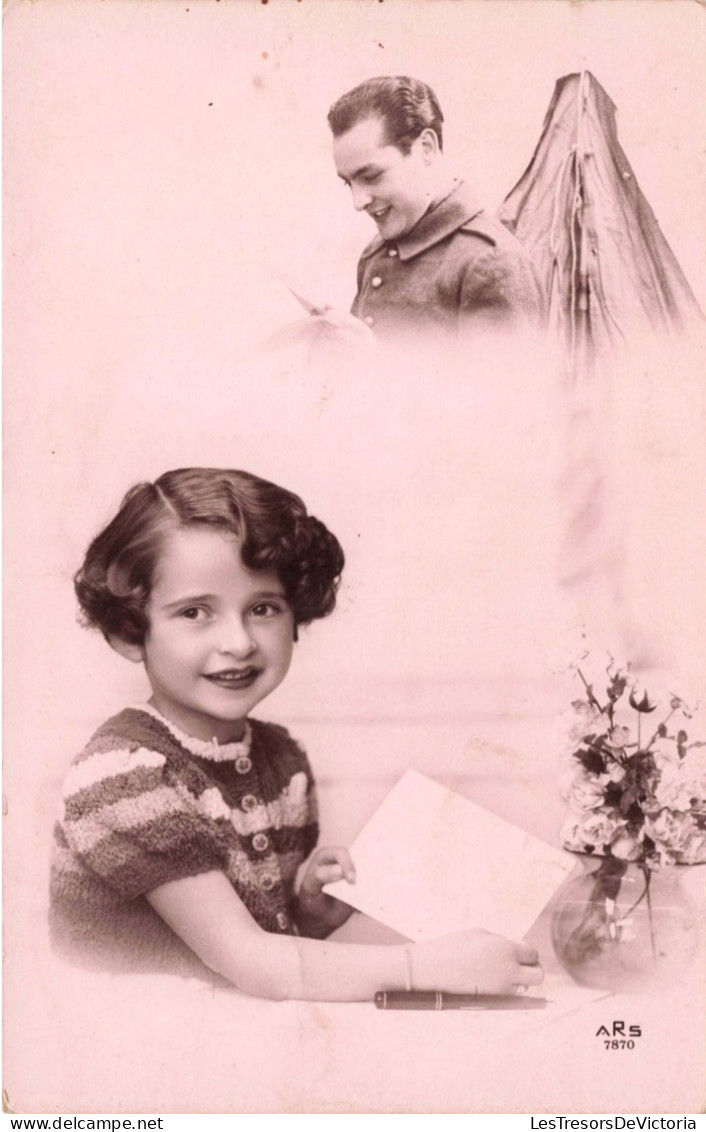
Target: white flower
<point>626,847</point>
<point>600,826</point>
<point>618,738</point>
<point>593,828</point>
<point>693,769</point>
<point>570,834</point>
<point>614,772</point>
<point>693,851</point>
<point>566,779</point>
<point>587,720</point>
<point>585,792</point>
<point>669,828</point>
<point>676,787</point>
<point>665,856</point>
<point>664,753</point>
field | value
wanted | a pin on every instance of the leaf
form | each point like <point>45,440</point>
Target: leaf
<point>616,687</point>
<point>613,795</point>
<point>681,743</point>
<point>628,799</point>
<point>591,760</point>
<point>634,814</point>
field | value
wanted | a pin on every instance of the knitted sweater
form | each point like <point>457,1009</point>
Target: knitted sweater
<point>144,804</point>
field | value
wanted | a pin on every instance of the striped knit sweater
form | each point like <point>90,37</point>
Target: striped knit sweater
<point>144,804</point>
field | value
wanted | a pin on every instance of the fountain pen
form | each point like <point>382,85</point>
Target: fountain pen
<point>440,1000</point>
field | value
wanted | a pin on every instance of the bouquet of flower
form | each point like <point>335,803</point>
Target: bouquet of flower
<point>636,788</point>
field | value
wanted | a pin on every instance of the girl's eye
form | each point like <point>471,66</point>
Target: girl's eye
<point>192,613</point>
<point>370,178</point>
<point>266,609</point>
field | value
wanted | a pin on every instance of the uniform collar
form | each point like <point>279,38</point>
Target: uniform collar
<point>441,220</point>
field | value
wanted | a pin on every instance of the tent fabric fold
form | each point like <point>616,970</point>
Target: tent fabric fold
<point>608,270</point>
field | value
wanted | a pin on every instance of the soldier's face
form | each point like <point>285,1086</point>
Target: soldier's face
<point>394,188</point>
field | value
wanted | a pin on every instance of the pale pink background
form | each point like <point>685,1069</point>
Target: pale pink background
<point>168,169</point>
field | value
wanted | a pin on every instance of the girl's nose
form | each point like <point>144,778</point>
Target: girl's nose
<point>361,197</point>
<point>236,639</point>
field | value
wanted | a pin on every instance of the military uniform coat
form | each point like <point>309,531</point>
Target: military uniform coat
<point>457,270</point>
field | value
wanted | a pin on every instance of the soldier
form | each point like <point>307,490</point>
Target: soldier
<point>439,262</point>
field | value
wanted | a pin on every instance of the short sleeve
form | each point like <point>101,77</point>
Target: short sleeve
<point>311,822</point>
<point>128,824</point>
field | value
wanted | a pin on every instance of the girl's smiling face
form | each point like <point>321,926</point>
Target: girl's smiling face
<point>220,636</point>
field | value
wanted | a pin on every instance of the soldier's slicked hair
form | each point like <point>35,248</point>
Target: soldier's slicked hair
<point>407,106</point>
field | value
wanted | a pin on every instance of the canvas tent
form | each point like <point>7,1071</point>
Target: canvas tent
<point>611,279</point>
<point>607,268</point>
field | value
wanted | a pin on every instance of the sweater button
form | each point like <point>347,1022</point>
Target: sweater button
<point>376,281</point>
<point>260,842</point>
<point>248,802</point>
<point>282,921</point>
<point>267,881</point>
<point>392,252</point>
<point>243,764</point>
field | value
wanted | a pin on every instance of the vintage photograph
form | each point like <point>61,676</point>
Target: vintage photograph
<point>355,494</point>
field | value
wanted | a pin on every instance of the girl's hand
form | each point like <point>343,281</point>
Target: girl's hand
<point>318,913</point>
<point>475,962</point>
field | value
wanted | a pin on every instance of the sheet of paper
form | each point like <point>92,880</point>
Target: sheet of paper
<point>430,862</point>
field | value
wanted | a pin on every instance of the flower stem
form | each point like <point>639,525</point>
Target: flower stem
<point>664,722</point>
<point>649,913</point>
<point>591,697</point>
<point>645,893</point>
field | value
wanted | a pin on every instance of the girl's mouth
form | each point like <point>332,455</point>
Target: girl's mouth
<point>381,214</point>
<point>233,678</point>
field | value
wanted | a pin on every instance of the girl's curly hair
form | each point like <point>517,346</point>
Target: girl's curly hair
<point>272,525</point>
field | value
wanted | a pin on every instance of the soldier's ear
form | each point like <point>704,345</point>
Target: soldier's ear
<point>429,144</point>
<point>130,651</point>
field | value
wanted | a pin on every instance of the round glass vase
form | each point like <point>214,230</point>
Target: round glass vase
<point>621,927</point>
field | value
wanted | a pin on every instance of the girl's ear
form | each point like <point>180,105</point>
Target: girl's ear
<point>132,652</point>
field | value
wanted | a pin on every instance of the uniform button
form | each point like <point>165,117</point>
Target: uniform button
<point>243,764</point>
<point>267,881</point>
<point>392,252</point>
<point>260,842</point>
<point>369,320</point>
<point>376,281</point>
<point>248,802</point>
<point>282,921</point>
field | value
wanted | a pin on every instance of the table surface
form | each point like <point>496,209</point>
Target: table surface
<point>78,1041</point>
<point>88,1042</point>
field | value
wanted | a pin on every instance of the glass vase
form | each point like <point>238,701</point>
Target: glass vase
<point>620,927</point>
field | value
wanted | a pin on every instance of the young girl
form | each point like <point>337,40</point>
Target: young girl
<point>185,821</point>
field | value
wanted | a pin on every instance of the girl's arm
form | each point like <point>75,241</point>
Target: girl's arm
<point>209,916</point>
